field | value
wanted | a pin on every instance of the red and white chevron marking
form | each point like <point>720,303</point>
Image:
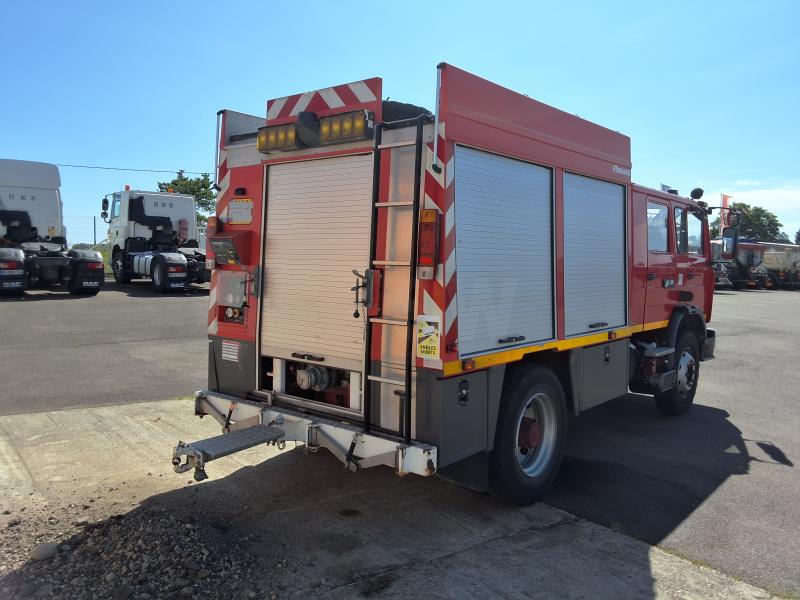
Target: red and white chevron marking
<point>364,94</point>
<point>438,296</point>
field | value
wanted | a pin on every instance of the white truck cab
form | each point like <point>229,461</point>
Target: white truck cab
<point>154,235</point>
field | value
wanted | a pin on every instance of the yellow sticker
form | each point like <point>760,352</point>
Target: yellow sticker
<point>428,337</point>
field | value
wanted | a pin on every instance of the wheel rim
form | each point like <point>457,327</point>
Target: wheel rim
<point>536,434</point>
<point>687,373</point>
<point>117,265</point>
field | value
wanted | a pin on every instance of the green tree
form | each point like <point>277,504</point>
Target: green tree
<point>797,237</point>
<point>783,238</point>
<point>200,187</point>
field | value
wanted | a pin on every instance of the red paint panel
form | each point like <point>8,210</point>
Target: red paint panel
<point>251,178</point>
<point>485,115</point>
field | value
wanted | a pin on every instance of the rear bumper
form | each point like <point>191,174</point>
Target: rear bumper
<point>349,443</point>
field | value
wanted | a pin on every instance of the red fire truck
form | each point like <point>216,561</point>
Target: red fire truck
<point>437,291</point>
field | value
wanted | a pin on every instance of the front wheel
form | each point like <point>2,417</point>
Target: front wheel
<point>678,399</point>
<point>530,433</point>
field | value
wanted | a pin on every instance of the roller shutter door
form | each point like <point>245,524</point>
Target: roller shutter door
<point>594,255</point>
<point>503,219</point>
<point>317,231</point>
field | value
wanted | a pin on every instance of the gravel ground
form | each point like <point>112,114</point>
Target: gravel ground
<point>60,552</point>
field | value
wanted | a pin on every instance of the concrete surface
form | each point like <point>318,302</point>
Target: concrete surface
<point>719,485</point>
<point>127,344</point>
<point>344,536</point>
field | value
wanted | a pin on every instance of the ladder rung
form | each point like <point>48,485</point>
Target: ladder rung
<point>396,145</point>
<point>393,204</point>
<point>386,380</point>
<point>389,321</point>
<point>391,263</point>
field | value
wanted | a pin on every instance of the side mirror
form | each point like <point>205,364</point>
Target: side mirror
<point>734,219</point>
<point>730,242</point>
<point>105,204</point>
<point>696,193</point>
<point>104,215</point>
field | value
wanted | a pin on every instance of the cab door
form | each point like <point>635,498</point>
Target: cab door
<point>693,272</point>
<point>661,264</point>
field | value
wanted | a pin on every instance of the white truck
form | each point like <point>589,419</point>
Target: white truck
<point>154,235</point>
<point>33,243</point>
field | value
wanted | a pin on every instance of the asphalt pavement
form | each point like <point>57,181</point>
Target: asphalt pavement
<point>718,486</point>
<point>127,344</point>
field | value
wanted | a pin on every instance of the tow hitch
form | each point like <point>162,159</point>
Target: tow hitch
<point>197,454</point>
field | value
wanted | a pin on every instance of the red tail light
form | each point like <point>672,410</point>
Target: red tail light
<point>427,243</point>
<point>94,266</point>
<point>176,269</point>
<point>13,264</point>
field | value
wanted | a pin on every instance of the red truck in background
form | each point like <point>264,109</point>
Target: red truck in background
<point>436,291</point>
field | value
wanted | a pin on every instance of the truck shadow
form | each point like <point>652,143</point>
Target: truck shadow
<point>631,469</point>
<point>299,526</point>
<point>143,289</point>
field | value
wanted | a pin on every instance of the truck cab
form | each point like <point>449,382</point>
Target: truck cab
<point>33,243</point>
<point>154,235</point>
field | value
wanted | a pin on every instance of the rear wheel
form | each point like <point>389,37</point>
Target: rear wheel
<point>678,399</point>
<point>118,266</point>
<point>530,432</point>
<point>159,276</point>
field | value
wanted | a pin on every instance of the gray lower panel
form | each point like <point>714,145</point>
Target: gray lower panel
<point>599,373</point>
<point>458,414</point>
<point>232,366</point>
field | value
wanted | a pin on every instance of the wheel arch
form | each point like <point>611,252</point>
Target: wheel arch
<point>685,317</point>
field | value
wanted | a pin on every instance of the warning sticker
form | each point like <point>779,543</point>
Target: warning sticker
<point>427,337</point>
<point>240,211</point>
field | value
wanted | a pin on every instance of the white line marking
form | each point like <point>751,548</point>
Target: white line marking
<point>331,98</point>
<point>302,102</point>
<point>449,220</point>
<point>362,92</point>
<point>450,267</point>
<point>450,314</point>
<point>276,108</point>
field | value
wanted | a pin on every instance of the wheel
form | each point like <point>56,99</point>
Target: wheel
<point>531,427</point>
<point>774,281</point>
<point>678,399</point>
<point>120,274</point>
<point>158,276</point>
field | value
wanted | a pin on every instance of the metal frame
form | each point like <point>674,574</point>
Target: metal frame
<point>351,444</point>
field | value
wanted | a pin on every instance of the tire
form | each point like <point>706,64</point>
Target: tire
<point>117,265</point>
<point>534,402</point>
<point>678,399</point>
<point>158,276</point>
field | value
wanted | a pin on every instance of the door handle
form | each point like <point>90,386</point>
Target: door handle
<point>304,356</point>
<point>511,339</point>
<point>690,276</point>
<point>651,276</point>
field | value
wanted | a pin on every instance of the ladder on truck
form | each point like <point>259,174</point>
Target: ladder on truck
<point>404,386</point>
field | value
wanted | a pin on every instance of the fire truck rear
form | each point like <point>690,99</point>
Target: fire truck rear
<point>437,291</point>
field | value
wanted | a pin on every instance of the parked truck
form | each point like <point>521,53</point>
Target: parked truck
<point>437,292</point>
<point>154,235</point>
<point>782,262</point>
<point>33,242</point>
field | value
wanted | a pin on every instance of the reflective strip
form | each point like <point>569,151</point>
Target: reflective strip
<point>275,109</point>
<point>331,98</point>
<point>362,91</point>
<point>302,103</point>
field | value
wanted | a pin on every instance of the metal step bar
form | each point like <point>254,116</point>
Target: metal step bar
<point>197,454</point>
<point>253,422</point>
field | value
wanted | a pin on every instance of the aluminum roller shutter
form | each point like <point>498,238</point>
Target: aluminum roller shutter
<point>594,255</point>
<point>317,231</point>
<point>503,219</point>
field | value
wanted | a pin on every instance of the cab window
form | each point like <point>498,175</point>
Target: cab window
<point>694,233</point>
<point>657,227</point>
<point>115,207</point>
<point>680,230</point>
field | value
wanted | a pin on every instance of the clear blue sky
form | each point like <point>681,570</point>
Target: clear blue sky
<point>709,92</point>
